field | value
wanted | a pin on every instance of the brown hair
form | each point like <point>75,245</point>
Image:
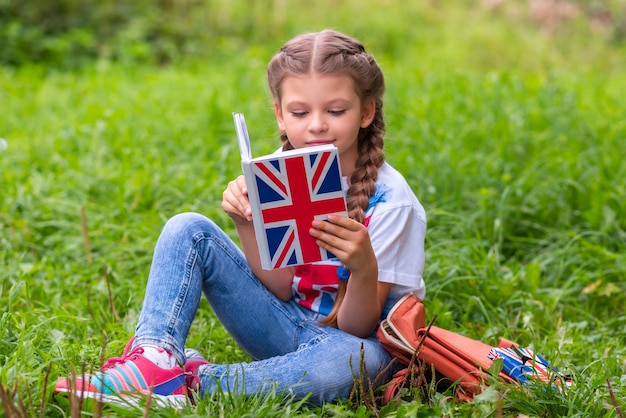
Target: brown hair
<point>331,52</point>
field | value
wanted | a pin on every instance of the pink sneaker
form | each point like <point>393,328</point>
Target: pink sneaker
<point>125,380</point>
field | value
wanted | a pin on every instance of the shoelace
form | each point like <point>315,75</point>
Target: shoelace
<point>114,361</point>
<point>126,355</point>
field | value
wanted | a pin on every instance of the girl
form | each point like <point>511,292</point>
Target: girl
<point>305,328</point>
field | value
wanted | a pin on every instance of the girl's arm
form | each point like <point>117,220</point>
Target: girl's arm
<point>365,296</point>
<point>361,308</point>
<point>236,204</point>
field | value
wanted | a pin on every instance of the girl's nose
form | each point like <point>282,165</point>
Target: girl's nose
<point>317,123</point>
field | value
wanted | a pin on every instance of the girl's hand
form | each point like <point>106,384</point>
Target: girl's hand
<point>348,240</point>
<point>235,201</point>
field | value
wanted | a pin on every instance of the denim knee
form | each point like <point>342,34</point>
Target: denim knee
<point>189,224</point>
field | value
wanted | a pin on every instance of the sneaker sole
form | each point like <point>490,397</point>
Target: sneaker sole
<point>135,400</point>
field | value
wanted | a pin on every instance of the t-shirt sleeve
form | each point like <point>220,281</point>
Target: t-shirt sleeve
<point>397,235</point>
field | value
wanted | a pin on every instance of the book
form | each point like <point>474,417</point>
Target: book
<point>287,190</point>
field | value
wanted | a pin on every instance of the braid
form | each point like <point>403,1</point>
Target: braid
<point>330,52</point>
<point>286,144</point>
<point>362,181</point>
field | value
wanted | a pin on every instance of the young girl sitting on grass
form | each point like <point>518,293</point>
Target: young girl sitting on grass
<point>305,329</point>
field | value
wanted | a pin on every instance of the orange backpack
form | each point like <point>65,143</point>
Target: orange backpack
<point>454,357</point>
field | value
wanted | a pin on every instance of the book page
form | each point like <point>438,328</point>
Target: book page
<point>242,136</point>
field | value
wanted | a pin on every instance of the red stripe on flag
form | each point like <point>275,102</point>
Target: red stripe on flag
<point>272,177</point>
<point>285,251</point>
<point>320,167</point>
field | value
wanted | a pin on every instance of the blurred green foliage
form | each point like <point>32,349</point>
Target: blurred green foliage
<point>72,33</point>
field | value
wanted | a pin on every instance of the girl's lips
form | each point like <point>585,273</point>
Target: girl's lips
<point>319,142</point>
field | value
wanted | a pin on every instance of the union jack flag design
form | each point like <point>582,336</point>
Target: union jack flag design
<point>293,188</point>
<point>525,366</point>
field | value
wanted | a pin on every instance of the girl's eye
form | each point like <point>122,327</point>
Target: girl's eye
<point>336,112</point>
<point>298,114</point>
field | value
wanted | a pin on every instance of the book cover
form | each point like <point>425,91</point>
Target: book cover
<point>287,190</point>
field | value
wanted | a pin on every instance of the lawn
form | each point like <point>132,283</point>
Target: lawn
<point>511,134</point>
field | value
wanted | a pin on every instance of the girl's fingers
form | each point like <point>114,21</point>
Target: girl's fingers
<point>235,199</point>
<point>345,238</point>
<point>338,238</point>
<point>340,226</point>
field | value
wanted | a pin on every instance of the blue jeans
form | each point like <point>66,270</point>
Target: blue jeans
<point>289,348</point>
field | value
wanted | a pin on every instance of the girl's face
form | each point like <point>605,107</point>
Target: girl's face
<point>319,109</point>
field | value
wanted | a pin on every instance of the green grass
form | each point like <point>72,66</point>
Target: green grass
<point>512,140</point>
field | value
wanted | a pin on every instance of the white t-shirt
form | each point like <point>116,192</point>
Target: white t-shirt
<point>396,222</point>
